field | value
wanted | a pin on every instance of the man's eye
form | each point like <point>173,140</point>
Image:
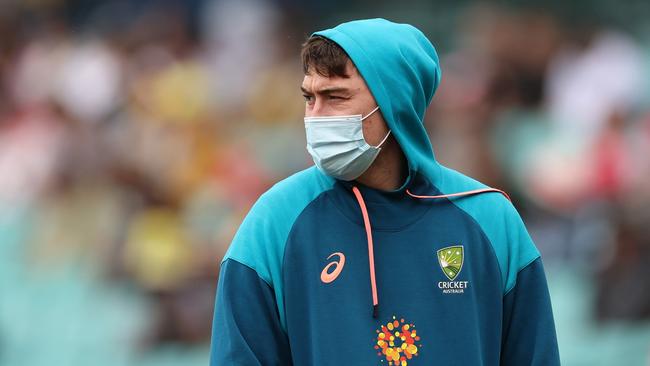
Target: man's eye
<point>308,98</point>
<point>334,97</point>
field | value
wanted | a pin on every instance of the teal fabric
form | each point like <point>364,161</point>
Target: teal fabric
<point>260,240</point>
<point>403,75</point>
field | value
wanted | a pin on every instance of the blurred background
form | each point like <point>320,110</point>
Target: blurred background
<point>136,134</point>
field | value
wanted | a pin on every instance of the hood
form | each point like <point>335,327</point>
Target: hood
<point>402,71</point>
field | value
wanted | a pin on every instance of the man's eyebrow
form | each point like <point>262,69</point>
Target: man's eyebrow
<point>302,88</point>
<point>327,90</point>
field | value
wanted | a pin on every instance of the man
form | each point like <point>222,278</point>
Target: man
<point>379,255</point>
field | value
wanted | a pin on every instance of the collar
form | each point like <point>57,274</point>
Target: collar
<point>388,210</point>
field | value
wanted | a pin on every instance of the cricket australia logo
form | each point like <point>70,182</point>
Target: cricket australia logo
<point>451,263</point>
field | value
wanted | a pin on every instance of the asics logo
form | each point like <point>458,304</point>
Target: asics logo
<point>326,276</point>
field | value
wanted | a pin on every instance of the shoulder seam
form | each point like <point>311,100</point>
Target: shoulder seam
<point>518,271</point>
<point>249,267</point>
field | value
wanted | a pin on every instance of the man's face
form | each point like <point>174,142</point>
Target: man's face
<point>339,96</point>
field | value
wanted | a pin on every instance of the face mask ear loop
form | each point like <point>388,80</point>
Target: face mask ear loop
<point>384,140</point>
<point>369,114</point>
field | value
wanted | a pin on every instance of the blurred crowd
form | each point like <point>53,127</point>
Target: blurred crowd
<point>130,149</point>
<point>134,136</point>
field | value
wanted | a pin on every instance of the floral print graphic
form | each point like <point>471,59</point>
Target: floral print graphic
<point>396,342</point>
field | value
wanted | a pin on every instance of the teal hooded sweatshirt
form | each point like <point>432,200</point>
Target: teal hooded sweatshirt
<point>441,271</point>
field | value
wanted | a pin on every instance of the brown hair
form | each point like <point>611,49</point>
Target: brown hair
<point>324,56</point>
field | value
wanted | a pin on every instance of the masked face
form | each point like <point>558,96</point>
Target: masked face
<point>342,142</point>
<point>337,145</point>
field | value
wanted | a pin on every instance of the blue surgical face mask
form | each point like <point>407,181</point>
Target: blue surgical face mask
<point>337,145</point>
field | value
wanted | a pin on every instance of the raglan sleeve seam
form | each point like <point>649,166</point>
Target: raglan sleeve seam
<point>514,284</point>
<point>252,268</point>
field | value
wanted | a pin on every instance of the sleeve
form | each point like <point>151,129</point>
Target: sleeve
<point>246,328</point>
<point>528,337</point>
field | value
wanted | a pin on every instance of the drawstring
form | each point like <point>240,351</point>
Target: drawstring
<point>466,193</point>
<point>371,254</point>
<point>366,222</point>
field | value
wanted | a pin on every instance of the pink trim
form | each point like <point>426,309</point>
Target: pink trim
<point>466,193</point>
<point>371,254</point>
